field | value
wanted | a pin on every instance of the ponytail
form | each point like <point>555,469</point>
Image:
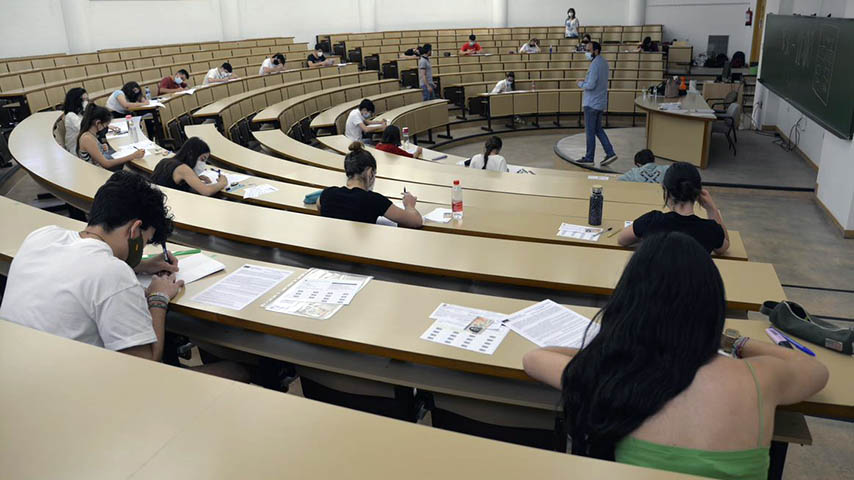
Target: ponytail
<point>358,160</point>
<point>492,143</point>
<point>682,183</point>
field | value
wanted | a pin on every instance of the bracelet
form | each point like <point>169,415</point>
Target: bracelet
<point>158,300</point>
<point>738,346</point>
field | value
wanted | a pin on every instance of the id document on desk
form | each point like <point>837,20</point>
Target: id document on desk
<point>241,287</point>
<point>284,302</point>
<point>549,324</point>
<point>471,329</point>
<point>579,231</point>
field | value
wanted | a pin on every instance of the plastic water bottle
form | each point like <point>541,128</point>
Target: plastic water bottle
<point>597,200</point>
<point>551,49</point>
<point>148,93</point>
<point>405,137</point>
<point>132,128</point>
<point>457,200</point>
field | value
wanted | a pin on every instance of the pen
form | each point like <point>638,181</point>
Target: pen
<point>796,344</point>
<point>613,233</point>
<point>775,337</point>
<point>166,254</point>
<point>176,254</point>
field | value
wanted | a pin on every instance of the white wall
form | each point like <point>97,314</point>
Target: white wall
<point>266,18</point>
<point>553,12</point>
<point>31,27</point>
<point>693,21</point>
<point>397,15</point>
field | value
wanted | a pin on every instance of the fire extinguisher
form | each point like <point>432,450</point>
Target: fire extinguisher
<point>748,17</point>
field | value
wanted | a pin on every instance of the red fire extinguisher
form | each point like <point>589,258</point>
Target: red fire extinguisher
<point>748,17</point>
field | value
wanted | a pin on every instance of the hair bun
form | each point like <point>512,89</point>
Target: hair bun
<point>356,147</point>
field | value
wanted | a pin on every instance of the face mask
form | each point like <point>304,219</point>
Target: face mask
<point>103,130</point>
<point>85,104</point>
<point>318,54</point>
<point>135,246</point>
<point>179,80</point>
<point>588,55</point>
<point>571,15</point>
<point>471,43</point>
<point>200,167</point>
<point>366,115</point>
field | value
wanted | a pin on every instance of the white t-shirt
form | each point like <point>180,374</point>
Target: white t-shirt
<point>213,74</point>
<point>502,87</point>
<point>496,163</point>
<point>76,288</point>
<point>268,63</point>
<point>572,27</point>
<point>353,132</point>
<point>527,48</point>
<point>72,129</point>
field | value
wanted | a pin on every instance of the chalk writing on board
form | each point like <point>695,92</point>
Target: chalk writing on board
<point>822,76</point>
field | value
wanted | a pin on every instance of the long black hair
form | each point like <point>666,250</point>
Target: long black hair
<point>358,161</point>
<point>492,143</point>
<point>92,114</point>
<point>663,322</point>
<point>682,183</point>
<point>391,135</point>
<point>130,94</point>
<point>190,151</point>
<point>74,101</point>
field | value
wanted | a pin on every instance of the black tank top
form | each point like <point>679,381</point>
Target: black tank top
<point>163,172</point>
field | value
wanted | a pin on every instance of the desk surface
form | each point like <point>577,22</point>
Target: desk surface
<point>165,422</point>
<point>562,267</point>
<point>690,102</point>
<point>403,169</point>
<point>387,319</point>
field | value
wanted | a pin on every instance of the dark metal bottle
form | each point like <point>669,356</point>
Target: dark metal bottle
<point>597,200</point>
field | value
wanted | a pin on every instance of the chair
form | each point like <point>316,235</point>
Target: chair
<point>725,102</point>
<point>726,123</point>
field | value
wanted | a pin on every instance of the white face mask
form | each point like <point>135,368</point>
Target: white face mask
<point>366,115</point>
<point>179,80</point>
<point>318,54</point>
<point>200,167</point>
<point>588,55</point>
<point>85,104</point>
<point>571,15</point>
<point>471,42</point>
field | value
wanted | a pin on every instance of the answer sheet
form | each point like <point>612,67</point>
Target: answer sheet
<point>549,324</point>
<point>439,215</point>
<point>241,287</point>
<point>471,329</point>
<point>232,178</point>
<point>320,311</point>
<point>256,191</point>
<point>190,268</point>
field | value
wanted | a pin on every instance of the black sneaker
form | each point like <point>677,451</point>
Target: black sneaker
<point>584,160</point>
<point>609,160</point>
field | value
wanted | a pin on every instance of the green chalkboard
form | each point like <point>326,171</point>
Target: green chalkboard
<point>809,62</point>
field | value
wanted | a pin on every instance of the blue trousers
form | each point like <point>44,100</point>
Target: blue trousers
<point>593,129</point>
<point>427,94</point>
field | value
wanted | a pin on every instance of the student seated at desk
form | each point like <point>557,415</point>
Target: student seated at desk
<point>647,45</point>
<point>391,143</point>
<point>76,101</point>
<point>318,59</point>
<point>650,389</point>
<point>175,83</point>
<point>414,52</point>
<point>532,46</point>
<point>645,171</point>
<point>682,188</point>
<point>582,47</point>
<point>506,85</point>
<point>471,47</point>
<point>272,64</point>
<point>179,171</point>
<point>358,202</point>
<point>95,123</point>
<point>121,101</point>
<point>358,125</point>
<point>219,74</point>
<point>490,158</point>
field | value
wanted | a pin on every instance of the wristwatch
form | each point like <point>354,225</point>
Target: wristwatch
<point>728,338</point>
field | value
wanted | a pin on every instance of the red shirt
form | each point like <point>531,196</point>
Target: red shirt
<point>476,47</point>
<point>168,82</point>
<point>387,147</point>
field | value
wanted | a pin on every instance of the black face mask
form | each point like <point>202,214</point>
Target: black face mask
<point>103,131</point>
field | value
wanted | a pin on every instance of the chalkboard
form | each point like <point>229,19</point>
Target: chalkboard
<point>809,62</point>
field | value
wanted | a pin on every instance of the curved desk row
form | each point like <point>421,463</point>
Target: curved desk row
<point>335,116</point>
<point>559,267</point>
<point>386,319</point>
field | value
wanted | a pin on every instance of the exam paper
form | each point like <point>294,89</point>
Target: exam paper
<point>518,169</point>
<point>579,232</point>
<point>439,215</point>
<point>256,191</point>
<point>241,287</point>
<point>156,103</point>
<point>334,291</point>
<point>188,91</point>
<point>320,311</point>
<point>471,329</point>
<point>190,268</point>
<point>232,178</point>
<point>549,324</point>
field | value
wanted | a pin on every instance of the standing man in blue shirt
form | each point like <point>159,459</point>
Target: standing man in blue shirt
<point>595,101</point>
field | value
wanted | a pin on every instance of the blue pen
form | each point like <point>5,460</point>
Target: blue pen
<point>796,344</point>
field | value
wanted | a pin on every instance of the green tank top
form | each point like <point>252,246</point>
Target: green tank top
<point>749,464</point>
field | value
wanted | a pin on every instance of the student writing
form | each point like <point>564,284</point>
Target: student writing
<point>179,171</point>
<point>95,123</point>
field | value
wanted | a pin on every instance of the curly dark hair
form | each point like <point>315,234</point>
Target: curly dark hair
<point>126,197</point>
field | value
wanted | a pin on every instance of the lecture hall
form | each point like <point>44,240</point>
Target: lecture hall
<point>456,239</point>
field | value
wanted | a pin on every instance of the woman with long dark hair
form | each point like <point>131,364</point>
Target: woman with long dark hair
<point>651,389</point>
<point>76,100</point>
<point>682,188</point>
<point>96,121</point>
<point>179,171</point>
<point>391,143</point>
<point>490,159</point>
<point>121,101</point>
